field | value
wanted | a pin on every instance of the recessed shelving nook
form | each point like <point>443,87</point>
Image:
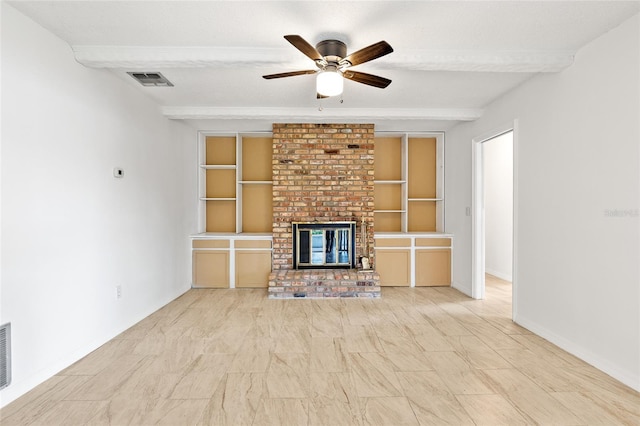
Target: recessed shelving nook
<point>409,182</point>
<point>235,183</point>
<point>234,245</point>
<point>218,184</point>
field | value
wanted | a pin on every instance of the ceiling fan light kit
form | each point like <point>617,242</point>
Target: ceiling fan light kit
<point>330,57</point>
<point>329,82</point>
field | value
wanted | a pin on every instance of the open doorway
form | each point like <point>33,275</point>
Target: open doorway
<point>498,206</point>
<point>493,209</point>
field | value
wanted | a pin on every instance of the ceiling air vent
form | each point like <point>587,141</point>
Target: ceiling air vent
<point>151,79</point>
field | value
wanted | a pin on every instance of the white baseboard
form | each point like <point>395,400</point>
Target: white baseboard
<point>20,387</point>
<point>461,288</point>
<point>498,274</point>
<point>624,376</point>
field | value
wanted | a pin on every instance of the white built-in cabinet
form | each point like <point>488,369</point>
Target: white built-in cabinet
<point>414,259</point>
<point>233,247</point>
<point>411,246</point>
<point>231,260</point>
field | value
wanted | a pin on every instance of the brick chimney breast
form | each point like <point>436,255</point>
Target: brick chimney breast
<point>324,173</point>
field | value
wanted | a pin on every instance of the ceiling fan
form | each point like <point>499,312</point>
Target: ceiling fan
<point>333,64</point>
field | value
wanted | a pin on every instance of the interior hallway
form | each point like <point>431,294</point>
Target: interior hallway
<point>415,356</point>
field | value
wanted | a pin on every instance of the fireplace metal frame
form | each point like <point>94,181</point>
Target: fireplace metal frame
<point>349,227</point>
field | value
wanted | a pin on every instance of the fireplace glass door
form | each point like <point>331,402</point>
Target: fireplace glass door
<point>324,245</point>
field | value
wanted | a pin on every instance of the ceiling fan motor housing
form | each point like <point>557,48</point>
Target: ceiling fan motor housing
<point>332,50</point>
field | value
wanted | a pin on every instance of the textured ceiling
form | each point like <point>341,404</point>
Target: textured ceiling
<point>450,58</point>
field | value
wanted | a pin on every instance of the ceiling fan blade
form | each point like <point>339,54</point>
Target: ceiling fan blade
<point>364,78</point>
<point>369,53</point>
<point>319,96</point>
<point>288,74</point>
<point>302,45</point>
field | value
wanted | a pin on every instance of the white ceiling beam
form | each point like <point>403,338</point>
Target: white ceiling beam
<point>313,114</point>
<point>135,57</point>
<point>141,57</point>
<point>479,61</point>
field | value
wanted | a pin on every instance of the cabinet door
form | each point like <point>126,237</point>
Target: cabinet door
<point>211,268</point>
<point>253,268</point>
<point>433,267</point>
<point>394,267</point>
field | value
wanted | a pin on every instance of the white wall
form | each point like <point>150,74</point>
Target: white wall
<point>577,197</point>
<point>70,231</point>
<point>498,205</point>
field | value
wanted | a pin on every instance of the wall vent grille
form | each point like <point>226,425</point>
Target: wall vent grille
<point>5,355</point>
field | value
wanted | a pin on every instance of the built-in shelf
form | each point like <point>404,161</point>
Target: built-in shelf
<point>409,182</point>
<point>218,166</point>
<point>389,182</point>
<point>235,183</point>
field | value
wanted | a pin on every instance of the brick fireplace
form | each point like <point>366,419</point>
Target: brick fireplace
<point>324,245</point>
<point>322,173</point>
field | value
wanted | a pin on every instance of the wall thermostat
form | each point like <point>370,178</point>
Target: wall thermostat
<point>118,172</point>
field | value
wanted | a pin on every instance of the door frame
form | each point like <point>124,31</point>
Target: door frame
<point>477,211</point>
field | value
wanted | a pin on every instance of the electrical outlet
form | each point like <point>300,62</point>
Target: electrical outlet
<point>118,292</point>
<point>467,211</point>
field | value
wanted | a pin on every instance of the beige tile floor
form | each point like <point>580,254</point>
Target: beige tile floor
<point>423,356</point>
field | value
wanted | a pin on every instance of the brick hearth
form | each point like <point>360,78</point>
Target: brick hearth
<point>323,283</point>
